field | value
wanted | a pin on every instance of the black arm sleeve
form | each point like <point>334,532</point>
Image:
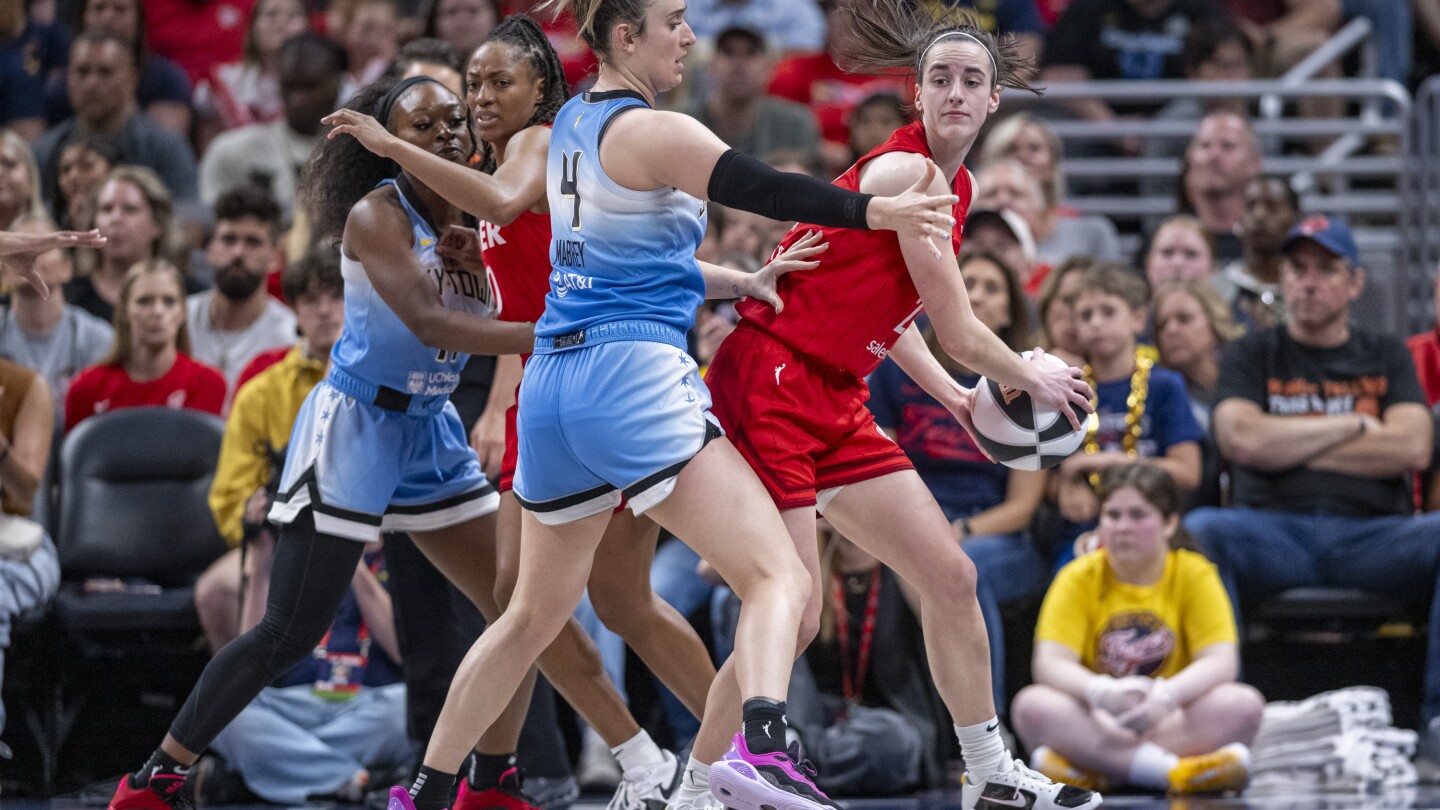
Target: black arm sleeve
<point>745,183</point>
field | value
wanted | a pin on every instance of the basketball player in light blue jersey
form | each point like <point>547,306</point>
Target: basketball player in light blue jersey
<point>377,444</point>
<point>612,405</point>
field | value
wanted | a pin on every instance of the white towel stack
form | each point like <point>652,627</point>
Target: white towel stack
<point>1334,741</point>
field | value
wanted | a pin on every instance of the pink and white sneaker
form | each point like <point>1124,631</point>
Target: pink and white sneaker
<point>779,781</point>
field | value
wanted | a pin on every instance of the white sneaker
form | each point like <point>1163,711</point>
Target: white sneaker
<point>1021,788</point>
<point>597,768</point>
<point>649,788</point>
<point>694,800</point>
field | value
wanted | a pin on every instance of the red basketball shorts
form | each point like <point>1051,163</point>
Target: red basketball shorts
<point>803,426</point>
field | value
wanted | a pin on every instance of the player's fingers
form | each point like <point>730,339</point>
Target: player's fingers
<point>38,283</point>
<point>927,178</point>
<point>1081,397</point>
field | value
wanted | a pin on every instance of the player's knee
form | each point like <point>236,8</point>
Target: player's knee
<point>949,582</point>
<point>809,626</point>
<point>625,614</point>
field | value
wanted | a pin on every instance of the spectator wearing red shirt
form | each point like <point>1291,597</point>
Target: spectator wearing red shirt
<point>198,36</point>
<point>149,364</point>
<point>564,35</point>
<point>816,81</point>
<point>1425,348</point>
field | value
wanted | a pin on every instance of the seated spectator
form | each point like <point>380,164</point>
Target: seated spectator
<point>1192,325</point>
<point>576,57</point>
<point>738,109</point>
<point>1251,284</point>
<point>790,25</point>
<point>1033,143</point>
<point>1120,39</point>
<point>163,89</point>
<point>237,319</point>
<point>29,567</point>
<point>462,24</point>
<point>1221,159</point>
<point>816,81</point>
<point>1215,50</point>
<point>310,77</point>
<point>1008,184</point>
<point>1323,424</point>
<point>256,435</point>
<point>101,83</point>
<point>1141,411</point>
<point>44,333</point>
<point>85,161</point>
<point>433,58</point>
<point>238,94</point>
<point>1425,351</point>
<point>134,213</point>
<point>324,726</point>
<point>1007,235</point>
<point>1181,249</point>
<point>1055,304</point>
<point>19,181</point>
<point>149,363</point>
<point>198,36</point>
<point>989,506</point>
<point>1283,32</point>
<point>861,699</point>
<point>22,107</point>
<point>368,32</point>
<point>1136,657</point>
<point>874,120</point>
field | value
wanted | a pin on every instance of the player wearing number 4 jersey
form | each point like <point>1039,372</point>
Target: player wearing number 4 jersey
<point>788,382</point>
<point>612,403</point>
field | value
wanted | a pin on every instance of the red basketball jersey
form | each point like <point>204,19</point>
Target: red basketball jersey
<point>517,260</point>
<point>850,310</point>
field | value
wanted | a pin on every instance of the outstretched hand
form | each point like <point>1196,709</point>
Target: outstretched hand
<point>915,213</point>
<point>20,250</point>
<point>364,128</point>
<point>962,408</point>
<point>765,281</point>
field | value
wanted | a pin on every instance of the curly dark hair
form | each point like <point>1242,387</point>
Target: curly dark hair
<point>340,172</point>
<point>521,32</point>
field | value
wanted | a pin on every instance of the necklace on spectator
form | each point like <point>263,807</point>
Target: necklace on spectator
<point>1145,357</point>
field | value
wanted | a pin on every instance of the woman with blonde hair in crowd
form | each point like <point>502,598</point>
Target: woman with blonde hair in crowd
<point>149,362</point>
<point>1136,657</point>
<point>1032,142</point>
<point>136,215</point>
<point>1180,249</point>
<point>1191,324</point>
<point>1055,307</point>
<point>19,180</point>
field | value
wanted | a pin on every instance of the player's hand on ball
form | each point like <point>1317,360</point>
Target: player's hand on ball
<point>799,256</point>
<point>915,213</point>
<point>1060,388</point>
<point>962,408</point>
<point>363,128</point>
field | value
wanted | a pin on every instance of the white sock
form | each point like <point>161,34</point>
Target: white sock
<point>637,752</point>
<point>1151,767</point>
<point>697,774</point>
<point>983,750</point>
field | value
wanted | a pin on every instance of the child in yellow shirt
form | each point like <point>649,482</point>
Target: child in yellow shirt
<point>1135,656</point>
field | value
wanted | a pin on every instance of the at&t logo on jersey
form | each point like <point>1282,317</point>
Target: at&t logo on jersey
<point>564,283</point>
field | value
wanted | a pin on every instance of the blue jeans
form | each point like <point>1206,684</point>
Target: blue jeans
<point>1260,553</point>
<point>1009,569</point>
<point>289,743</point>
<point>24,586</point>
<point>1390,26</point>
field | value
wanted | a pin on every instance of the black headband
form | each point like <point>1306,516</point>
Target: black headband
<point>387,104</point>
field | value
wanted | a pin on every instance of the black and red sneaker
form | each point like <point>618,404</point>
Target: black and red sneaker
<point>508,794</point>
<point>162,791</point>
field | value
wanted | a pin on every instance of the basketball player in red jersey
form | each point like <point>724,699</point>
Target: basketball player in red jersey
<point>789,389</point>
<point>514,86</point>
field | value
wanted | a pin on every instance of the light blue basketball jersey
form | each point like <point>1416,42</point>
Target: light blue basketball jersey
<point>615,254</point>
<point>377,348</point>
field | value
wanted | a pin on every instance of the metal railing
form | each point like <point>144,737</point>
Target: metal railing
<point>1420,209</point>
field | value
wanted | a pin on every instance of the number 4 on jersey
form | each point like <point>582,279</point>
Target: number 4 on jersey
<point>570,185</point>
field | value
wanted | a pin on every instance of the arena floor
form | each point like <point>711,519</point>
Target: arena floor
<point>1426,798</point>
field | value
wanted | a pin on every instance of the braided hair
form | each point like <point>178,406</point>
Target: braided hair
<point>525,35</point>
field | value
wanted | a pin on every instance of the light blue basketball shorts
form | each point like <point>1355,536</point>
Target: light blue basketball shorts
<point>364,469</point>
<point>601,420</point>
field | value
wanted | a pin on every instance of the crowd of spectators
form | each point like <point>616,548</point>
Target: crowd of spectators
<point>181,131</point>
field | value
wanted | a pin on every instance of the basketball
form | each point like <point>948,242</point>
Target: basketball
<point>1018,434</point>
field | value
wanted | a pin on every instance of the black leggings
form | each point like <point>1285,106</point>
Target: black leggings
<point>309,577</point>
